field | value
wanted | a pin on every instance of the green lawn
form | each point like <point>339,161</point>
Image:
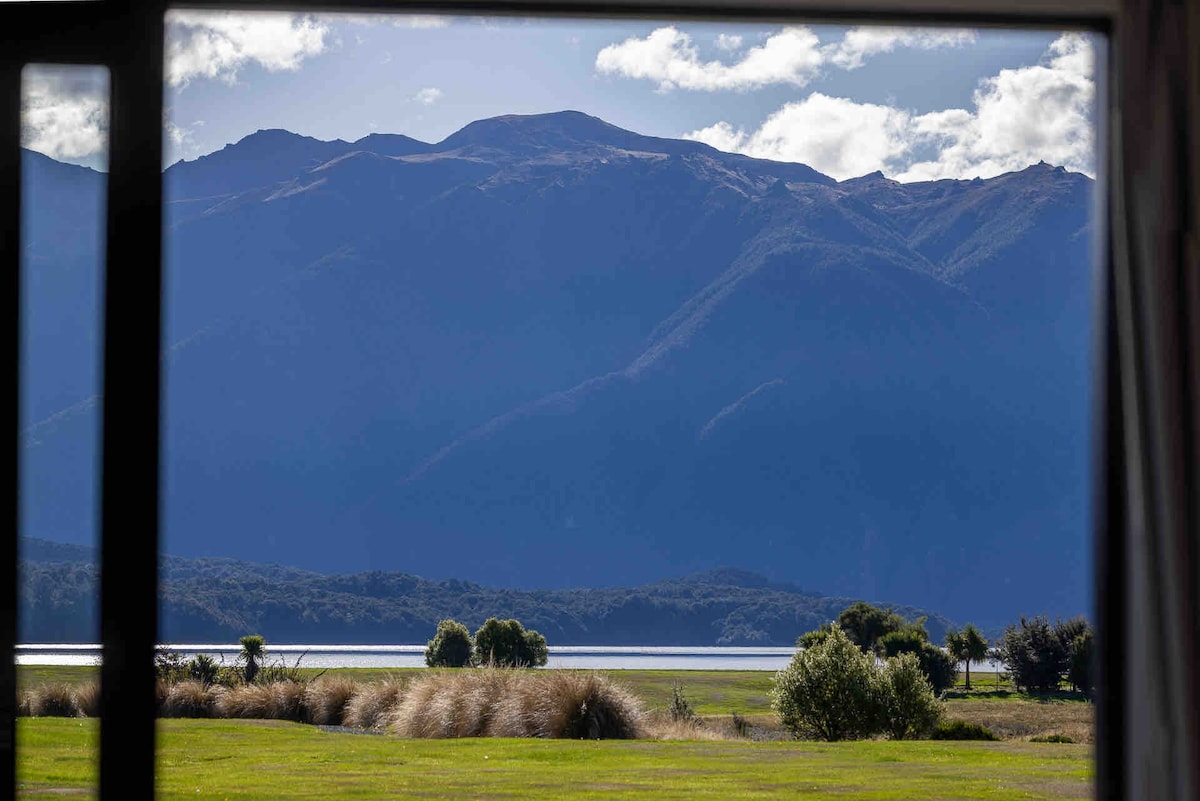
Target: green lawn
<point>284,761</point>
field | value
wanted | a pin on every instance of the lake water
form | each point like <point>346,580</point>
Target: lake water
<point>579,657</point>
<point>584,657</point>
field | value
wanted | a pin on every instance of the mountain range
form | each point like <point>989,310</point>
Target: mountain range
<point>549,352</point>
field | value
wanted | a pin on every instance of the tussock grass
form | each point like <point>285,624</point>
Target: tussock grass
<point>245,701</point>
<point>54,700</point>
<point>287,701</point>
<point>664,727</point>
<point>494,702</point>
<point>325,700</point>
<point>87,699</point>
<point>371,707</point>
<point>1021,719</point>
<point>189,699</point>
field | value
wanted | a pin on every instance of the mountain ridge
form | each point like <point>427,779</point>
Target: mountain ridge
<point>501,361</point>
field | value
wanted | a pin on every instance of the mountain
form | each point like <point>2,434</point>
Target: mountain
<point>219,600</point>
<point>548,352</point>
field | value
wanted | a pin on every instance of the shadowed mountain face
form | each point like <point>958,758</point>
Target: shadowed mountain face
<point>551,352</point>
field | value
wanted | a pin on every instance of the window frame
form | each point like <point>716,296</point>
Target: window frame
<point>127,36</point>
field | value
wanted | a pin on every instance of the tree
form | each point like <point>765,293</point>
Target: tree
<point>254,650</point>
<point>967,646</point>
<point>864,624</point>
<point>506,643</point>
<point>911,708</point>
<point>1080,672</point>
<point>937,666</point>
<point>814,637</point>
<point>831,691</point>
<point>1034,653</point>
<point>450,647</point>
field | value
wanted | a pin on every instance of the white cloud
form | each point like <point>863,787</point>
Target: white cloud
<point>64,111</point>
<point>668,57</point>
<point>792,56</point>
<point>204,44</point>
<point>1020,116</point>
<point>420,21</point>
<point>428,96</point>
<point>729,42</point>
<point>860,43</point>
<point>838,137</point>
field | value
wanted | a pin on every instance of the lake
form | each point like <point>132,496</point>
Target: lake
<point>584,657</point>
<point>576,657</point>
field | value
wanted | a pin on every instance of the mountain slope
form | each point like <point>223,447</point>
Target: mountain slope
<point>549,352</point>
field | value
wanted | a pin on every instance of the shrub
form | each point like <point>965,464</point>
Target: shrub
<point>741,726</point>
<point>168,665</point>
<point>831,691</point>
<point>506,643</point>
<point>680,708</point>
<point>450,647</point>
<point>372,705</point>
<point>189,699</point>
<point>911,710</point>
<point>203,669</point>
<point>326,700</point>
<point>1051,738</point>
<point>937,665</point>
<point>961,730</point>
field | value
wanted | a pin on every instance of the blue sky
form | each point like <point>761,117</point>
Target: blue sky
<point>916,104</point>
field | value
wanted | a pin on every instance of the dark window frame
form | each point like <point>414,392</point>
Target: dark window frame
<point>127,36</point>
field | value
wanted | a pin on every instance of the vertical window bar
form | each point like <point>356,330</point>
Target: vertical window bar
<point>10,265</point>
<point>130,428</point>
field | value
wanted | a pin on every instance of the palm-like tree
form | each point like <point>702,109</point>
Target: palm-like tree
<point>254,649</point>
<point>967,646</point>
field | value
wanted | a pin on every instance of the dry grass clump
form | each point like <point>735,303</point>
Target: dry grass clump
<point>245,701</point>
<point>493,702</point>
<point>189,699</point>
<point>662,727</point>
<point>87,699</point>
<point>326,700</point>
<point>56,700</point>
<point>372,704</point>
<point>1021,720</point>
<point>280,700</point>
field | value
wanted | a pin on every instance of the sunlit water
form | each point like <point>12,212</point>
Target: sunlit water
<point>580,657</point>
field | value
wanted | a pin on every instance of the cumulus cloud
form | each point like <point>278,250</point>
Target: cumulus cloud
<point>428,96</point>
<point>669,58</point>
<point>860,43</point>
<point>839,137</point>
<point>729,42</point>
<point>792,56</point>
<point>205,44</point>
<point>64,111</point>
<point>1019,116</point>
<point>1039,112</point>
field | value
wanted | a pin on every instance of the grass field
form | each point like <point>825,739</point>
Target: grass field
<point>285,762</point>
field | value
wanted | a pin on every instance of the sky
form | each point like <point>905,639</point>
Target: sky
<point>916,104</point>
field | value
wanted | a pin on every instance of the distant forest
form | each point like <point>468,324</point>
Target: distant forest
<point>218,600</point>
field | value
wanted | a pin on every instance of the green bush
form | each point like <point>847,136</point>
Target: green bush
<point>1051,738</point>
<point>910,708</point>
<point>961,730</point>
<point>506,643</point>
<point>203,669</point>
<point>680,708</point>
<point>831,691</point>
<point>450,647</point>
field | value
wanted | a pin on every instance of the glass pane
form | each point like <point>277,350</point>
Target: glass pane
<point>64,140</point>
<point>676,343</point>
